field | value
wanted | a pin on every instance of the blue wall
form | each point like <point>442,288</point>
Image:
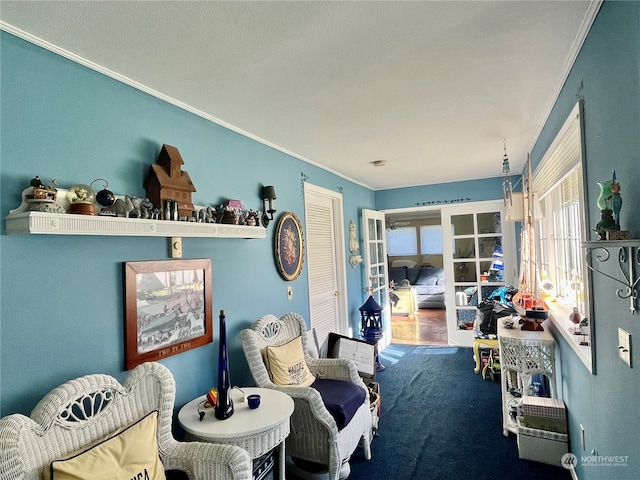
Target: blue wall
<point>606,75</point>
<point>62,298</point>
<point>440,194</point>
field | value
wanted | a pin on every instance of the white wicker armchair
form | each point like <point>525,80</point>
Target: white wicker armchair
<point>87,409</point>
<point>314,434</point>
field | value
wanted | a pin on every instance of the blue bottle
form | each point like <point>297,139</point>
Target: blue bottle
<point>224,406</point>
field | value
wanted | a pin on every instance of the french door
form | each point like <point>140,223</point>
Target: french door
<point>375,261</point>
<point>479,257</point>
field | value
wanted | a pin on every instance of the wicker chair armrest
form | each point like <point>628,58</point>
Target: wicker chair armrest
<point>336,368</point>
<point>208,461</point>
<point>309,405</point>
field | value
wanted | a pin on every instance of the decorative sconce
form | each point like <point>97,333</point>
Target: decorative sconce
<point>268,193</point>
<point>354,246</point>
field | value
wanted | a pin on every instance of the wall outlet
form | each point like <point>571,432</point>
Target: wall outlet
<point>624,346</point>
<point>289,293</point>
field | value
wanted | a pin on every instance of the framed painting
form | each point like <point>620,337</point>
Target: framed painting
<point>289,246</point>
<point>168,308</point>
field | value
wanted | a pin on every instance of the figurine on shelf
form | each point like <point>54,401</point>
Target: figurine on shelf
<point>43,197</point>
<point>207,215</point>
<point>123,208</point>
<point>616,200</point>
<point>604,202</point>
<point>251,218</point>
<point>575,318</point>
<point>146,208</point>
<point>605,224</point>
<point>171,210</point>
<point>584,330</point>
<point>42,192</point>
<point>233,212</point>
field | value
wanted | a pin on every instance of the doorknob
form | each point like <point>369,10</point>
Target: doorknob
<point>336,293</point>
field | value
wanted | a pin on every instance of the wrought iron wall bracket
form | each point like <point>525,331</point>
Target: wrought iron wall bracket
<point>628,265</point>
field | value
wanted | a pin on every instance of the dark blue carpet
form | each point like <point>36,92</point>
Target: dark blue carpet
<point>441,421</point>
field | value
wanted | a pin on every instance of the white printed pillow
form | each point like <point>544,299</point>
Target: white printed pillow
<point>287,366</point>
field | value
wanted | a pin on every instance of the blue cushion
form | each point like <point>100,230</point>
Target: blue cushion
<point>429,276</point>
<point>412,275</point>
<point>397,274</point>
<point>341,398</point>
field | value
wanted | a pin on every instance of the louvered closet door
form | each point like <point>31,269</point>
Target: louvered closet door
<point>326,260</point>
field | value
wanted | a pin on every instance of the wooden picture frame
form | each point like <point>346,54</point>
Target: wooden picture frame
<point>168,308</point>
<point>289,246</point>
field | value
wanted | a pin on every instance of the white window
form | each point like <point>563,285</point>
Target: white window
<point>560,228</point>
<point>431,240</point>
<point>402,241</point>
<point>560,237</point>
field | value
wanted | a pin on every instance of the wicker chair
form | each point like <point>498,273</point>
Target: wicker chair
<point>87,409</point>
<point>314,434</point>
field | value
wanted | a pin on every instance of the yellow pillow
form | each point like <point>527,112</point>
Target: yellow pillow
<point>130,454</point>
<point>287,365</point>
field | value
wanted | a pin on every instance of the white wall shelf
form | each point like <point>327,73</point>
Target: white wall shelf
<point>22,220</point>
<point>67,224</point>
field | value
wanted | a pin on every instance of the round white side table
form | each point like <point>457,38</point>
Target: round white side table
<point>258,431</point>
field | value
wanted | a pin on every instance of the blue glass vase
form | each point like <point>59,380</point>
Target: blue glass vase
<point>224,405</point>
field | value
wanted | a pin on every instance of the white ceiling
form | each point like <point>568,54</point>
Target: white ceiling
<point>430,87</point>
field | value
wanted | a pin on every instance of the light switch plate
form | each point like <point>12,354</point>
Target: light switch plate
<point>624,346</point>
<point>175,244</point>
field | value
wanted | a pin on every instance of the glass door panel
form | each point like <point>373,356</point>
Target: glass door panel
<point>489,222</point>
<point>462,225</point>
<point>464,248</point>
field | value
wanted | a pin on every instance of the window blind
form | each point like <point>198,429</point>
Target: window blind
<point>564,154</point>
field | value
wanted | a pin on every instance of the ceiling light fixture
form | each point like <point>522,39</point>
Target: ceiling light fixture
<point>379,163</point>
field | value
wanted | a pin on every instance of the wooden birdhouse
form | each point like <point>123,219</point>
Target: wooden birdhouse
<point>165,180</point>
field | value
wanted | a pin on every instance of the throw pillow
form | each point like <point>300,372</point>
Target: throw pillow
<point>131,453</point>
<point>287,366</point>
<point>428,276</point>
<point>412,275</point>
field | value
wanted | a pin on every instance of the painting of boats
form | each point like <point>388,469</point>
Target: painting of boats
<point>168,307</point>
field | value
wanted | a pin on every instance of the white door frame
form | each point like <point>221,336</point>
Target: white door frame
<point>340,258</point>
